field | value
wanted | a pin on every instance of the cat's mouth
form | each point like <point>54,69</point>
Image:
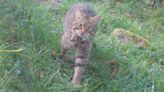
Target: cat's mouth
<point>82,38</point>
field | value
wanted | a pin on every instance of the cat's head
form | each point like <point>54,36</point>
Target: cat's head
<point>84,26</point>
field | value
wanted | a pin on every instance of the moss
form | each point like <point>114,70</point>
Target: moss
<point>126,36</point>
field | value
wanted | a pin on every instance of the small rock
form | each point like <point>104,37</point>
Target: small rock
<point>125,36</point>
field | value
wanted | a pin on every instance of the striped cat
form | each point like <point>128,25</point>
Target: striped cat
<point>79,28</point>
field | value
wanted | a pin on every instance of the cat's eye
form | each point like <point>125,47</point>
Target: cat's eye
<point>77,26</point>
<point>80,25</point>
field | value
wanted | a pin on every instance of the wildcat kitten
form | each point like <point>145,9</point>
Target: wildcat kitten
<point>79,28</point>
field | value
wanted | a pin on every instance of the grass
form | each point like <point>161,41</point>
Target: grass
<point>37,28</point>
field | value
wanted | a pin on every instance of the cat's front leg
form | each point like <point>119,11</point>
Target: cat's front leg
<point>78,70</point>
<point>66,44</point>
<point>82,56</point>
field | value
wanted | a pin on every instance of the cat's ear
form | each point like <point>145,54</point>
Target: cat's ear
<point>95,19</point>
<point>78,13</point>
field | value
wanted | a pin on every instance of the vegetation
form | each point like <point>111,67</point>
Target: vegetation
<point>30,47</point>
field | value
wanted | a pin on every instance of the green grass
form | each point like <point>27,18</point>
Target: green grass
<point>113,67</point>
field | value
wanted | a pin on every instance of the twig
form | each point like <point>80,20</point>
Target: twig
<point>11,51</point>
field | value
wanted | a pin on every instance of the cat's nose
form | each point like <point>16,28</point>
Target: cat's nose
<point>82,31</point>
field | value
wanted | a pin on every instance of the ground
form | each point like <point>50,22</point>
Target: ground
<point>30,48</point>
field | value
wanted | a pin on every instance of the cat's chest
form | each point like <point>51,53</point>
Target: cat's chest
<point>81,43</point>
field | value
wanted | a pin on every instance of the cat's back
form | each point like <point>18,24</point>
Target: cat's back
<point>84,7</point>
